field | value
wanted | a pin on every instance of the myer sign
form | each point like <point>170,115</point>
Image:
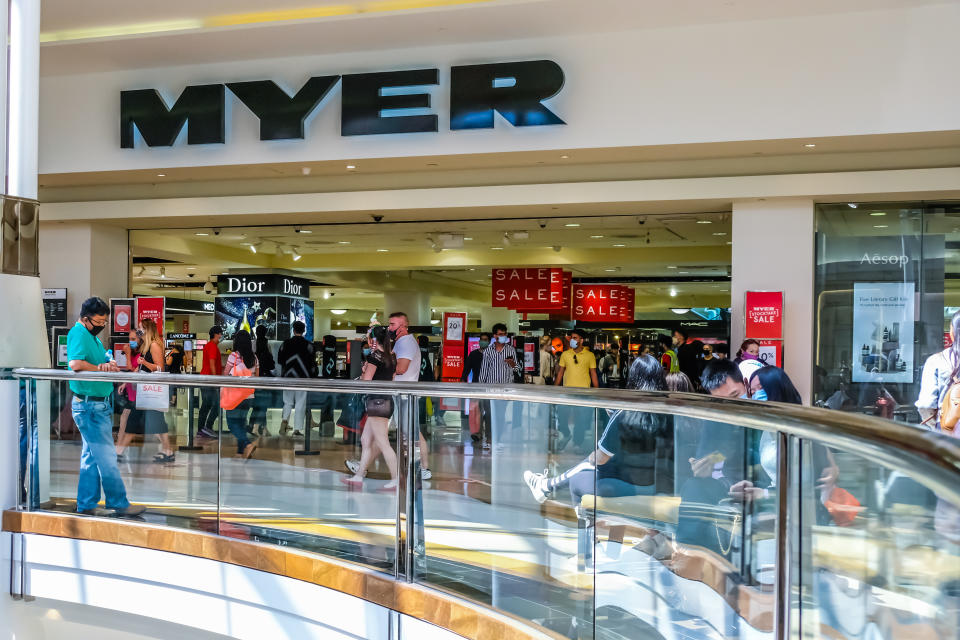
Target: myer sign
<point>372,103</point>
<point>267,284</point>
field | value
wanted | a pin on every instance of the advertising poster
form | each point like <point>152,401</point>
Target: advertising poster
<point>883,320</point>
<point>152,308</point>
<point>246,312</point>
<point>771,352</point>
<point>764,315</point>
<point>121,315</point>
<point>454,325</point>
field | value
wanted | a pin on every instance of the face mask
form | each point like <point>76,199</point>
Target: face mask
<point>133,345</point>
<point>748,356</point>
<point>503,339</point>
<point>366,351</point>
<point>96,328</point>
<point>484,344</point>
<point>392,333</point>
<point>574,344</point>
<point>760,395</point>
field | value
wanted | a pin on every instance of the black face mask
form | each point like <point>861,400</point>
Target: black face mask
<point>94,329</point>
<point>392,333</point>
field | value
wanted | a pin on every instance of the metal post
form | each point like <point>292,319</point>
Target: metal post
<point>414,484</point>
<point>190,446</point>
<point>307,428</point>
<point>783,539</point>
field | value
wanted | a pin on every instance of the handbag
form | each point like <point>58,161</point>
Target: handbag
<point>231,397</point>
<point>153,397</point>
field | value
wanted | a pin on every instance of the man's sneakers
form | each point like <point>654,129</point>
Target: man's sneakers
<point>203,432</point>
<point>131,511</point>
<point>425,474</point>
<point>537,482</point>
<point>352,466</point>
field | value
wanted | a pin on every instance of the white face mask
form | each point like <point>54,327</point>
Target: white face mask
<point>574,343</point>
<point>503,339</point>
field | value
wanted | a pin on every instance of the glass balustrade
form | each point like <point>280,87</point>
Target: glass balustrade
<point>610,514</point>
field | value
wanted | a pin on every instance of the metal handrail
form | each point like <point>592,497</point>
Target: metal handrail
<point>923,454</point>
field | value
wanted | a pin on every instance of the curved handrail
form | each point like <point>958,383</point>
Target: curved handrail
<point>914,451</point>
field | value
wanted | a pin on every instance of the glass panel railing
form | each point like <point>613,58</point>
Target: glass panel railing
<point>589,514</point>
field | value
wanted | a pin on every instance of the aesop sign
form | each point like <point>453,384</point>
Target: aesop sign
<point>515,90</point>
<point>268,284</point>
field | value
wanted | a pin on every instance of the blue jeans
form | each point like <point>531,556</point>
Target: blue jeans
<point>98,457</point>
<point>237,423</point>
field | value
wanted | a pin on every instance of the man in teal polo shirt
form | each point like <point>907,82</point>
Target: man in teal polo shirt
<point>93,413</point>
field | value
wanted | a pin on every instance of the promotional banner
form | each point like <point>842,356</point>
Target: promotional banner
<point>627,311</point>
<point>883,320</point>
<point>602,303</point>
<point>537,290</point>
<point>454,344</point>
<point>764,315</point>
<point>152,308</point>
<point>121,315</point>
<point>771,352</point>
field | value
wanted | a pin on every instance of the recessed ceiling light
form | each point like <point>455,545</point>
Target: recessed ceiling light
<point>609,270</point>
<point>878,213</point>
<point>338,312</point>
<point>683,273</point>
<point>671,267</point>
<point>161,175</point>
<point>564,157</point>
<point>191,268</point>
<point>382,250</point>
<point>673,293</point>
<point>305,231</point>
<point>852,205</point>
<point>351,166</point>
<point>595,237</point>
<point>719,233</point>
<point>343,242</point>
<point>496,248</point>
<point>810,145</point>
<point>619,245</point>
<point>201,233</point>
<point>295,254</point>
<point>704,221</point>
<point>880,226</point>
<point>679,311</point>
<point>468,238</point>
<point>572,224</point>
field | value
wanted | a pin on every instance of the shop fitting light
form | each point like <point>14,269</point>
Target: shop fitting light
<point>679,311</point>
<point>163,272</point>
<point>338,312</point>
<point>255,246</point>
<point>295,254</point>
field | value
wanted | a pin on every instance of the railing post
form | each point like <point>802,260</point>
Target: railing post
<point>407,487</point>
<point>783,538</point>
<point>190,446</point>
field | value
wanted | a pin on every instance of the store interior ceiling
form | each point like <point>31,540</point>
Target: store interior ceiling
<point>674,261</point>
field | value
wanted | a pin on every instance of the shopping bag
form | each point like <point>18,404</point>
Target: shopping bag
<point>231,397</point>
<point>153,397</point>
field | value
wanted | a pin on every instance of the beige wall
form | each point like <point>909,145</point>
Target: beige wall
<point>88,259</point>
<point>773,250</point>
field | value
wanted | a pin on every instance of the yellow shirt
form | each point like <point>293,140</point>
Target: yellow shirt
<point>577,374</point>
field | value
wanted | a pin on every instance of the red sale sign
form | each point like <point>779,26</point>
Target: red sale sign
<point>152,308</point>
<point>628,306</point>
<point>601,302</point>
<point>528,289</point>
<point>764,315</point>
<point>454,343</point>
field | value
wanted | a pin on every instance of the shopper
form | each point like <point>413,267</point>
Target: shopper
<point>749,350</point>
<point>242,363</point>
<point>127,393</point>
<point>633,445</point>
<point>174,366</point>
<point>92,409</point>
<point>609,367</point>
<point>577,368</point>
<point>210,396</point>
<point>380,364</point>
<point>500,366</point>
<point>407,351</point>
<point>669,360</point>
<point>940,372</point>
<point>152,361</point>
<point>297,359</point>
<point>688,353</point>
<point>471,367</point>
<point>427,375</point>
<point>479,419</point>
<point>264,397</point>
<point>548,361</point>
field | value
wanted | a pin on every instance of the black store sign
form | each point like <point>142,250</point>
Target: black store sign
<point>515,90</point>
<point>55,307</point>
<point>267,284</point>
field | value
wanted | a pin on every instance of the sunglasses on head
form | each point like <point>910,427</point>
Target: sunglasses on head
<point>575,361</point>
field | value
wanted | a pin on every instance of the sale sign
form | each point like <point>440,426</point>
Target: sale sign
<point>152,308</point>
<point>764,315</point>
<point>528,289</point>
<point>602,303</point>
<point>771,352</point>
<point>626,313</point>
<point>454,344</point>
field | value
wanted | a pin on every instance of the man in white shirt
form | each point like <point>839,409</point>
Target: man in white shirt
<point>407,350</point>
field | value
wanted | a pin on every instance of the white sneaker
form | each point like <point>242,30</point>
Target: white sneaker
<point>537,483</point>
<point>486,446</point>
<point>352,466</point>
<point>425,474</point>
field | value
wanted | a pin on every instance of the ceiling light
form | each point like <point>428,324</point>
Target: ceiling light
<point>254,246</point>
<point>468,238</point>
<point>339,323</point>
<point>433,310</point>
<point>296,254</point>
<point>878,213</point>
<point>338,312</point>
<point>326,295</point>
<point>852,205</point>
<point>572,224</point>
<point>596,237</point>
<point>673,292</point>
<point>351,166</point>
<point>434,322</point>
<point>671,266</point>
<point>305,231</point>
<point>609,270</point>
<point>683,273</point>
<point>163,272</point>
<point>719,233</point>
<point>679,311</point>
<point>191,268</point>
<point>496,248</point>
<point>704,221</point>
<point>343,242</point>
<point>880,226</point>
<point>201,233</point>
<point>810,145</point>
<point>619,245</point>
<point>382,250</point>
<point>564,157</point>
<point>161,175</point>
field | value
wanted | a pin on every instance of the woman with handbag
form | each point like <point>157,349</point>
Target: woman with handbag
<point>379,365</point>
<point>152,361</point>
<point>127,394</point>
<point>241,363</point>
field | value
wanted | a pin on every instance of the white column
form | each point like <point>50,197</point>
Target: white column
<point>416,304</point>
<point>24,92</point>
<point>773,250</point>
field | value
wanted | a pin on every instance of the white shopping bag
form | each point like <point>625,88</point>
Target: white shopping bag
<point>153,396</point>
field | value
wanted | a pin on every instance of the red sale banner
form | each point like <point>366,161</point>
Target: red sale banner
<point>454,343</point>
<point>764,315</point>
<point>152,308</point>
<point>528,289</point>
<point>628,305</point>
<point>561,312</point>
<point>771,352</point>
<point>601,302</point>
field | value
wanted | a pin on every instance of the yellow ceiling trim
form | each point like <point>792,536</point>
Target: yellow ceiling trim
<point>238,19</point>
